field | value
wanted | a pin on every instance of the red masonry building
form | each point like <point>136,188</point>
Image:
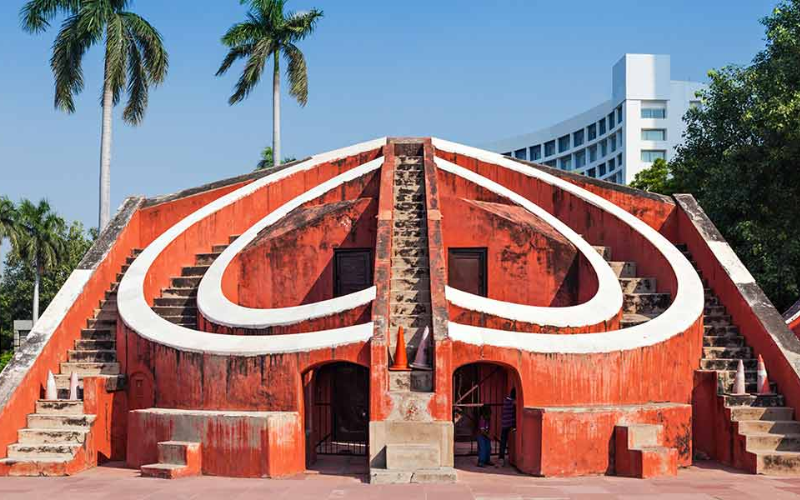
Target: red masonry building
<point>249,327</point>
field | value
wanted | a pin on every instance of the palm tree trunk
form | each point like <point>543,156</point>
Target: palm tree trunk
<point>37,279</point>
<point>105,157</point>
<point>276,112</point>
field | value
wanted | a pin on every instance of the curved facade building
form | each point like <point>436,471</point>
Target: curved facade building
<point>613,141</point>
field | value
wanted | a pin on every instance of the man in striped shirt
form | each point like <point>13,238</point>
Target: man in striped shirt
<point>508,421</point>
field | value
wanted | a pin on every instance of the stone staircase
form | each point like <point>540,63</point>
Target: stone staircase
<point>766,435</point>
<point>641,301</point>
<point>176,459</point>
<point>57,430</point>
<point>417,449</point>
<point>178,303</point>
<point>639,452</point>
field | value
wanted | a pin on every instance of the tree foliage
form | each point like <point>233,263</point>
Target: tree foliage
<point>741,156</point>
<point>268,161</point>
<point>656,178</point>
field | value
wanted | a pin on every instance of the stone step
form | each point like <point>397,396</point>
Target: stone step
<point>205,259</point>
<point>93,345</point>
<point>164,471</point>
<point>218,248</point>
<point>717,320</point>
<point>411,216</point>
<point>42,451</point>
<point>59,407</point>
<point>711,300</point>
<point>410,309</point>
<point>759,400</point>
<point>182,320</point>
<point>773,442</point>
<point>646,303</point>
<point>418,232</point>
<point>623,269</point>
<point>175,301</point>
<point>409,206</point>
<point>412,196</point>
<point>416,380</point>
<point>777,463</point>
<point>769,427</point>
<point>179,292</point>
<point>101,324</point>
<point>726,341</point>
<point>410,321</point>
<point>416,252</point>
<point>721,331</point>
<point>727,353</point>
<point>410,262</point>
<point>191,271</point>
<point>62,385</point>
<point>105,314</point>
<point>86,369</point>
<point>604,252</point>
<point>727,364</point>
<point>411,166</point>
<point>111,294</point>
<point>97,334</point>
<point>742,413</point>
<point>414,283</point>
<point>62,422</point>
<point>137,252</point>
<point>409,243</point>
<point>52,436</point>
<point>410,272</point>
<point>186,282</point>
<point>638,285</point>
<point>95,356</point>
<point>410,296</point>
<point>130,260</point>
<point>233,238</point>
<point>629,320</point>
<point>714,310</point>
<point>405,223</point>
<point>165,311</point>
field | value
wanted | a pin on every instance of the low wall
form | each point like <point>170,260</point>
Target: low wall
<point>575,441</point>
<point>233,444</point>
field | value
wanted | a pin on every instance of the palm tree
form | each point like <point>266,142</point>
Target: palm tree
<point>40,242</point>
<point>135,58</point>
<point>268,161</point>
<point>8,223</point>
<point>269,32</point>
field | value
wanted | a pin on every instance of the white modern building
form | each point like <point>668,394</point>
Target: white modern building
<point>613,141</point>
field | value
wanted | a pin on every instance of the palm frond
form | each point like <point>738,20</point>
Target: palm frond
<point>36,15</point>
<point>138,90</point>
<point>297,73</point>
<point>155,58</point>
<point>300,25</point>
<point>242,33</point>
<point>252,71</point>
<point>236,53</point>
<point>117,48</point>
<point>66,62</point>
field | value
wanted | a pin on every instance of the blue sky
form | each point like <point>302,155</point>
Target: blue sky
<point>469,71</point>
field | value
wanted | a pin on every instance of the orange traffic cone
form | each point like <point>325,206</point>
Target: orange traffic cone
<point>400,357</point>
<point>763,380</point>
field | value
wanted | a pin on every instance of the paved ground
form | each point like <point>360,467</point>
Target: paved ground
<point>707,481</point>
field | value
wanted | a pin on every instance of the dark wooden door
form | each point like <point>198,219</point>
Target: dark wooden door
<point>350,404</point>
<point>352,271</point>
<point>466,270</point>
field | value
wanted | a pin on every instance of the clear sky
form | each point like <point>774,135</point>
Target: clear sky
<point>465,70</point>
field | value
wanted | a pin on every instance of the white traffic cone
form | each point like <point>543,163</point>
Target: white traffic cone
<point>738,383</point>
<point>422,358</point>
<point>51,393</point>
<point>73,386</point>
<point>763,380</point>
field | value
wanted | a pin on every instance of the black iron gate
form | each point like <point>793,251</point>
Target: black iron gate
<point>476,385</point>
<point>341,410</point>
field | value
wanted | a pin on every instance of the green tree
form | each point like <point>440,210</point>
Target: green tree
<point>267,160</point>
<point>270,32</point>
<point>656,178</point>
<point>41,242</point>
<point>741,156</point>
<point>135,59</point>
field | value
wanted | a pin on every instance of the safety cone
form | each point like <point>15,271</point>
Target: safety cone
<point>422,359</point>
<point>50,392</point>
<point>400,357</point>
<point>763,380</point>
<point>73,386</point>
<point>738,384</point>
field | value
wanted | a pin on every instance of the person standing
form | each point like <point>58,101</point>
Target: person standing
<point>508,421</point>
<point>484,441</point>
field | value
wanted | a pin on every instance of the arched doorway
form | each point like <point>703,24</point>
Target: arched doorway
<point>337,410</point>
<point>475,385</point>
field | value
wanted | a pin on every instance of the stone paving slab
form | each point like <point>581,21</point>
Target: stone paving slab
<point>344,480</point>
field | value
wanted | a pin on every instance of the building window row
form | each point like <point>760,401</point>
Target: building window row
<point>654,134</point>
<point>654,112</point>
<point>651,155</point>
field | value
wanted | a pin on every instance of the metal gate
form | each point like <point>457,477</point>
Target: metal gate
<point>341,410</point>
<point>476,385</point>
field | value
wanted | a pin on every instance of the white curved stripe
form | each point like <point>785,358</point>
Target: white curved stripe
<point>217,308</point>
<point>605,304</point>
<point>137,314</point>
<point>686,307</point>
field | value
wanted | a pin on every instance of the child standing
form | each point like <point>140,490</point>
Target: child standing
<point>508,421</point>
<point>484,441</point>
